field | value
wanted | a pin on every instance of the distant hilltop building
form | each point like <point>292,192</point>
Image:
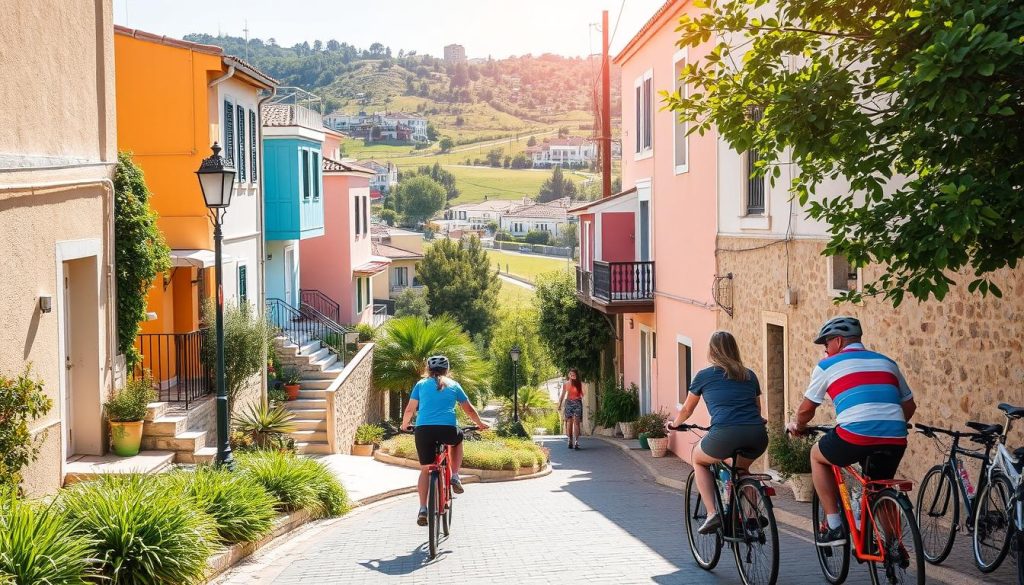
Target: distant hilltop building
<point>454,53</point>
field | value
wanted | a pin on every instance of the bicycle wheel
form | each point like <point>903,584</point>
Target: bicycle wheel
<point>892,517</point>
<point>753,521</point>
<point>433,513</point>
<point>706,548</point>
<point>834,560</point>
<point>446,517</point>
<point>938,513</point>
<point>992,524</point>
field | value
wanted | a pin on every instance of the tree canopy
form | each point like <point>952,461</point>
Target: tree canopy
<point>556,187</point>
<point>517,326</point>
<point>574,333</point>
<point>418,198</point>
<point>461,282</point>
<point>918,105</point>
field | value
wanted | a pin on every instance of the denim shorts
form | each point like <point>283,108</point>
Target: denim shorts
<point>574,409</point>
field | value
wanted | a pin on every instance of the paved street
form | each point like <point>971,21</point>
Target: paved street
<point>595,519</point>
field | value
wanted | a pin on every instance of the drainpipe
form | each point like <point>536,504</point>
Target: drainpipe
<point>261,245</point>
<point>225,77</point>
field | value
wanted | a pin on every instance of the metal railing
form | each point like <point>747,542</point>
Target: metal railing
<point>623,281</point>
<point>321,303</point>
<point>380,314</point>
<point>175,363</point>
<point>302,326</point>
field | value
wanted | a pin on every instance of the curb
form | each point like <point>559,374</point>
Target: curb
<point>643,461</point>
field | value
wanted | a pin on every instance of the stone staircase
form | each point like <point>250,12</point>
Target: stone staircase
<point>319,367</point>
<point>167,429</point>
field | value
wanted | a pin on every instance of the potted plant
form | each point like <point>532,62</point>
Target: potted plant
<point>126,410</point>
<point>367,437</point>
<point>628,429</point>
<point>645,424</point>
<point>657,434</point>
<point>263,425</point>
<point>791,457</point>
<point>291,379</point>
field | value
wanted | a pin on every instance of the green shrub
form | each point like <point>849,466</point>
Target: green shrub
<point>241,508</point>
<point>550,421</point>
<point>140,531</point>
<point>36,547</point>
<point>366,332</point>
<point>618,404</point>
<point>789,455</point>
<point>264,425</point>
<point>296,482</point>
<point>369,434</point>
<point>652,422</point>
<point>247,336</point>
<point>487,453</point>
<point>21,400</point>
<point>276,394</point>
<point>129,404</point>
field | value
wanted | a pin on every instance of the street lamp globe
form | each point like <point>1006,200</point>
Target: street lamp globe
<point>216,179</point>
<point>514,353</point>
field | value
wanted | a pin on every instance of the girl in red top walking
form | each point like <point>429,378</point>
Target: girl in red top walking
<point>573,390</point>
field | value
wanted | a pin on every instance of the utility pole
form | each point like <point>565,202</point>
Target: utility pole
<point>606,111</point>
<point>246,29</point>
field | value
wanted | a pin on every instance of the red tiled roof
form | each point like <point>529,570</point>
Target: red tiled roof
<point>370,268</point>
<point>542,210</point>
<point>381,249</point>
<point>333,166</point>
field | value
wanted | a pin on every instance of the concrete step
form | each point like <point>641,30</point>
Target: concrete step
<point>166,426</point>
<point>310,424</point>
<point>187,442</point>
<point>319,354</point>
<point>307,394</point>
<point>202,455</point>
<point>156,410</point>
<point>314,384</point>
<point>313,448</point>
<point>308,414</point>
<point>306,404</point>
<point>308,436</point>
<point>89,467</point>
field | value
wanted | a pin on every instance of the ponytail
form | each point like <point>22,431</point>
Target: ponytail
<point>439,376</point>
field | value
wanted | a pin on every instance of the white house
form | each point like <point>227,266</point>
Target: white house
<point>478,215</point>
<point>386,176</point>
<point>417,124</point>
<point>571,151</point>
<point>541,217</point>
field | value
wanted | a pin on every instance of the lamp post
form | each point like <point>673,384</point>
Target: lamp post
<point>514,354</point>
<point>217,181</point>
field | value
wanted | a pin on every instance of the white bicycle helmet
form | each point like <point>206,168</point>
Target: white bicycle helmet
<point>839,327</point>
<point>438,362</point>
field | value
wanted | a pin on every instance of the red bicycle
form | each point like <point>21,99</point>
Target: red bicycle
<point>439,495</point>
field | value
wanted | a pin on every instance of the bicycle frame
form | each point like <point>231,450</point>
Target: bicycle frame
<point>952,466</point>
<point>859,534</point>
<point>723,507</point>
<point>441,465</point>
<point>1004,463</point>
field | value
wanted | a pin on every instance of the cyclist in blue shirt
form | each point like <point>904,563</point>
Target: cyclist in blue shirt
<point>433,401</point>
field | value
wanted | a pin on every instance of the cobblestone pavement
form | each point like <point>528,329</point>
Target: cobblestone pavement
<point>596,519</point>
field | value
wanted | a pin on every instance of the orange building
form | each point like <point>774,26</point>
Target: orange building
<point>174,100</point>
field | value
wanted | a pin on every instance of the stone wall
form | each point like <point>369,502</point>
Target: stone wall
<point>961,356</point>
<point>352,401</point>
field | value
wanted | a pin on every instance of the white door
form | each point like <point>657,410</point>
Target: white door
<point>645,371</point>
<point>289,277</point>
<point>69,415</point>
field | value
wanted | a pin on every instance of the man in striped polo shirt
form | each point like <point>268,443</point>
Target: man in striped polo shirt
<point>873,404</point>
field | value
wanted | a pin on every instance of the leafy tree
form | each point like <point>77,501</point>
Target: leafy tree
<point>494,157</point>
<point>333,45</point>
<point>569,236</point>
<point>532,141</point>
<point>492,226</point>
<point>405,343</point>
<point>442,176</point>
<point>517,326</point>
<point>140,252</point>
<point>556,187</point>
<point>520,161</point>
<point>446,143</point>
<point>22,400</point>
<point>503,236</point>
<point>317,46</point>
<point>377,50</point>
<point>431,132</point>
<point>461,282</point>
<point>247,338</point>
<point>574,333</point>
<point>420,198</point>
<point>918,105</point>
<point>507,161</point>
<point>388,216</point>
<point>563,131</point>
<point>412,303</point>
<point>460,76</point>
<point>537,237</point>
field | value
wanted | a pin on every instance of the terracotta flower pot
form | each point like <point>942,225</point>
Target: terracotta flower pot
<point>659,446</point>
<point>126,438</point>
<point>628,430</point>
<point>362,450</point>
<point>292,391</point>
<point>802,486</point>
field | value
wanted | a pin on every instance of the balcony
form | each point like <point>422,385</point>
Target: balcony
<point>617,287</point>
<point>177,364</point>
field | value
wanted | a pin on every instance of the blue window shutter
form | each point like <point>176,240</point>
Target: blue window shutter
<point>241,144</point>
<point>228,148</point>
<point>253,132</point>
<point>305,174</point>
<point>316,175</point>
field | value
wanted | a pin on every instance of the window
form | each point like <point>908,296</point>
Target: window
<point>684,367</point>
<point>315,172</point>
<point>369,296</point>
<point>243,285</point>
<point>358,216</point>
<point>241,145</point>
<point>843,276</point>
<point>366,214</point>
<point>359,295</point>
<point>229,131</point>
<point>755,184</point>
<point>644,93</point>
<point>305,174</point>
<point>253,156</point>
<point>680,128</point>
<point>400,276</point>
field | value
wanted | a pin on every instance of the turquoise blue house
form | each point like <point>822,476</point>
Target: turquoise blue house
<point>293,193</point>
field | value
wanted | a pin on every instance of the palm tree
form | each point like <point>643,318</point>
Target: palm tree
<point>404,344</point>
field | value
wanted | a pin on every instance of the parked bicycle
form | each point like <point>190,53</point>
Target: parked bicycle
<point>999,521</point>
<point>947,489</point>
<point>744,502</point>
<point>439,496</point>
<point>879,518</point>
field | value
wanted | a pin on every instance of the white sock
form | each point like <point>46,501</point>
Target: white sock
<point>834,520</point>
<point>455,475</point>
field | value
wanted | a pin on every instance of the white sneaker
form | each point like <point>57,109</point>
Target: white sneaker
<point>710,525</point>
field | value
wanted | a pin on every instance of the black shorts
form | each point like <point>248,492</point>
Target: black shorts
<point>885,459</point>
<point>428,437</point>
<point>722,442</point>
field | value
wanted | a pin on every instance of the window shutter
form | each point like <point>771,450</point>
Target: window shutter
<point>229,131</point>
<point>243,285</point>
<point>357,216</point>
<point>241,144</point>
<point>316,175</point>
<point>253,132</point>
<point>366,215</point>
<point>305,174</point>
<point>648,104</point>
<point>639,118</point>
<point>359,295</point>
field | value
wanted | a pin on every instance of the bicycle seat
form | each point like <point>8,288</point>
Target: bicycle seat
<point>1011,410</point>
<point>985,428</point>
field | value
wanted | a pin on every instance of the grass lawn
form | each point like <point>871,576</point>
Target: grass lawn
<point>527,266</point>
<point>512,295</point>
<point>475,183</point>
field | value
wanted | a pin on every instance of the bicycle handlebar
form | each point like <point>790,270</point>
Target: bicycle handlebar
<point>410,430</point>
<point>686,427</point>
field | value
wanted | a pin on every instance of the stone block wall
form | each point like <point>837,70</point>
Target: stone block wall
<point>961,356</point>
<point>352,401</point>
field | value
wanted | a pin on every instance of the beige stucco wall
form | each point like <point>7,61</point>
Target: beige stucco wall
<point>352,401</point>
<point>961,356</point>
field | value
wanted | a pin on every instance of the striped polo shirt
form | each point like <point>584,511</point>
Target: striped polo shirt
<point>868,391</point>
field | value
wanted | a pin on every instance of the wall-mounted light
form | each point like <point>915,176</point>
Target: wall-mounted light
<point>45,303</point>
<point>151,316</point>
<point>630,322</point>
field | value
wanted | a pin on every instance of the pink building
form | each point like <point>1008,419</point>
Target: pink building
<point>648,253</point>
<point>338,268</point>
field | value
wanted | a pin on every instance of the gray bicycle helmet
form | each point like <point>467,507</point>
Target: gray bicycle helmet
<point>839,327</point>
<point>438,362</point>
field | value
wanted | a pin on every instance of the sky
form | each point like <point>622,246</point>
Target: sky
<point>483,27</point>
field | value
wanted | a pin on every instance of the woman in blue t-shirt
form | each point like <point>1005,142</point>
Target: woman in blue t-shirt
<point>433,401</point>
<point>733,399</point>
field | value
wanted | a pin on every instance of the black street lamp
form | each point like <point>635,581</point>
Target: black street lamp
<point>217,180</point>
<point>514,354</point>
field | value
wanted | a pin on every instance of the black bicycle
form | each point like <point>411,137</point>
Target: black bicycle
<point>748,522</point>
<point>947,488</point>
